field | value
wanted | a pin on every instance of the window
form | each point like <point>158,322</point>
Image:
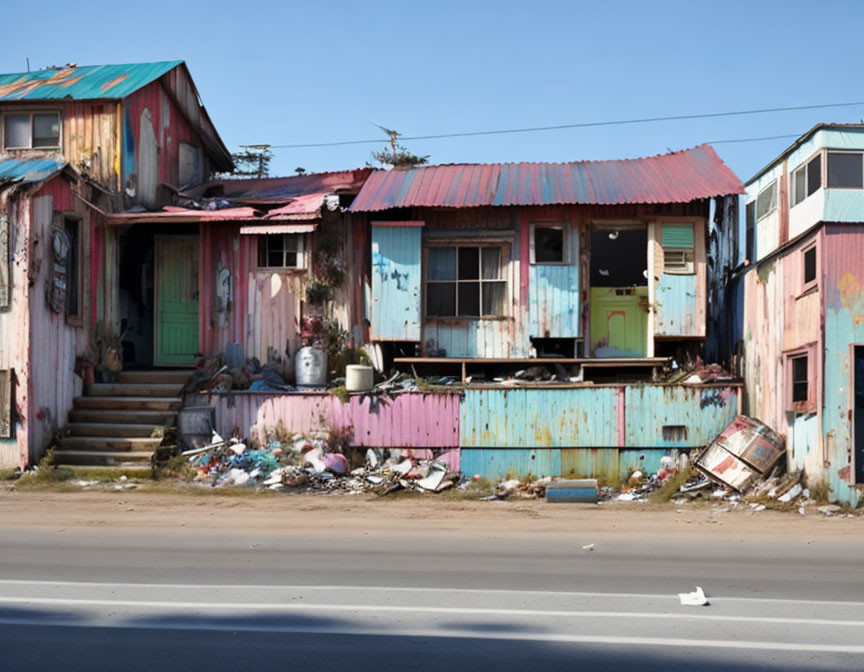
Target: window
<point>548,244</point>
<point>281,250</point>
<point>766,202</point>
<point>809,266</point>
<point>750,252</point>
<point>38,130</point>
<point>806,180</point>
<point>845,170</point>
<point>466,281</point>
<point>800,381</point>
<point>72,227</point>
<point>678,243</point>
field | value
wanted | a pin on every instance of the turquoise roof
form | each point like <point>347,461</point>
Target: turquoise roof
<point>86,82</point>
<point>35,170</point>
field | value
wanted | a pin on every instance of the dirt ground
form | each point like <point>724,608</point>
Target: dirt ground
<point>311,514</point>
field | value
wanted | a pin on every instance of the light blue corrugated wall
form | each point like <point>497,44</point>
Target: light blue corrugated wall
<point>548,417</point>
<point>676,305</point>
<point>554,296</point>
<point>396,282</point>
<point>705,412</point>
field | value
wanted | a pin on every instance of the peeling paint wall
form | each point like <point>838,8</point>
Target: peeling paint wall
<point>843,275</point>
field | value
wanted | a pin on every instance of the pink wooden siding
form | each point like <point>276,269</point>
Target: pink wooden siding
<point>408,420</point>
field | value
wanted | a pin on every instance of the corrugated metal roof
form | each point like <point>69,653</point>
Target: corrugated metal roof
<point>679,177</point>
<point>36,170</point>
<point>283,189</point>
<point>86,82</point>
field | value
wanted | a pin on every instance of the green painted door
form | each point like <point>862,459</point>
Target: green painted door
<point>619,321</point>
<point>176,300</point>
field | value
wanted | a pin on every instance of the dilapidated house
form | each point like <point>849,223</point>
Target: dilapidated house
<point>800,303</point>
<point>78,144</point>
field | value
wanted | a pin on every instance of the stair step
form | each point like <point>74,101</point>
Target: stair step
<point>109,443</point>
<point>134,390</point>
<point>103,458</point>
<point>131,417</point>
<point>112,429</point>
<point>129,403</point>
<point>177,377</point>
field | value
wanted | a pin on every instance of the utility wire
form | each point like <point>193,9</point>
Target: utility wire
<point>590,124</point>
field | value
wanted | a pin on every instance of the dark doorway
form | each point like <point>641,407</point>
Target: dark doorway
<point>859,413</point>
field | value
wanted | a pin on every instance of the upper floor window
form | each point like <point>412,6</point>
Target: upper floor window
<point>466,281</point>
<point>750,241</point>
<point>766,202</point>
<point>32,130</point>
<point>807,179</point>
<point>549,244</point>
<point>678,245</point>
<point>280,250</point>
<point>810,272</point>
<point>845,170</point>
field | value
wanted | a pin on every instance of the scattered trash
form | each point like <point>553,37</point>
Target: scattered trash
<point>695,599</point>
<point>588,547</point>
<point>742,453</point>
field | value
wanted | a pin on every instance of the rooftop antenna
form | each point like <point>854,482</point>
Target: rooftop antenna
<point>28,63</point>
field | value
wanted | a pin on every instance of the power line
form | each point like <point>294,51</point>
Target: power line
<point>590,124</point>
<point>767,137</point>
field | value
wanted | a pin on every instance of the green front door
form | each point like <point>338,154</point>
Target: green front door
<point>619,321</point>
<point>176,300</point>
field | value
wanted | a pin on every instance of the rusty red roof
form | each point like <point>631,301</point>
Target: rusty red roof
<point>271,190</point>
<point>678,177</point>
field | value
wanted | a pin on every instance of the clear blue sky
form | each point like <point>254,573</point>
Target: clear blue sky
<point>291,72</point>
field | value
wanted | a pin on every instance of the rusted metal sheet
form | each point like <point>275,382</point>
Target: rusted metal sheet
<point>408,420</point>
<point>27,171</point>
<point>678,177</point>
<point>742,452</point>
<point>85,82</point>
<point>499,463</point>
<point>727,468</point>
<point>273,190</point>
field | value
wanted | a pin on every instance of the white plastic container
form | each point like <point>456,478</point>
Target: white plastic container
<point>358,378</point>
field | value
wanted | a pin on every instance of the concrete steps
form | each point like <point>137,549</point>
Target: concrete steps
<point>121,425</point>
<point>115,429</point>
<point>97,458</point>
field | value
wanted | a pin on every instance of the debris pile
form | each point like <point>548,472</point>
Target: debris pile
<point>309,463</point>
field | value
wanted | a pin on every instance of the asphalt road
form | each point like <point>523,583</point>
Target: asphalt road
<point>156,599</point>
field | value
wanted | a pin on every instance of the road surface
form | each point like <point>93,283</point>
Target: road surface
<point>320,589</point>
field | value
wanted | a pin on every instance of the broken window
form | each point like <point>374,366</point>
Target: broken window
<point>280,250</point>
<point>766,202</point>
<point>807,180</point>
<point>466,281</point>
<point>548,244</point>
<point>800,381</point>
<point>72,227</point>
<point>809,266</point>
<point>38,130</point>
<point>845,170</point>
<point>678,244</point>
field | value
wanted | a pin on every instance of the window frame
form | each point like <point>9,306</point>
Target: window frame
<point>828,154</point>
<point>773,208</point>
<point>806,285</point>
<point>302,250</point>
<point>805,166</point>
<point>75,319</point>
<point>807,405</point>
<point>30,113</point>
<point>565,241</point>
<point>750,231</point>
<point>504,248</point>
